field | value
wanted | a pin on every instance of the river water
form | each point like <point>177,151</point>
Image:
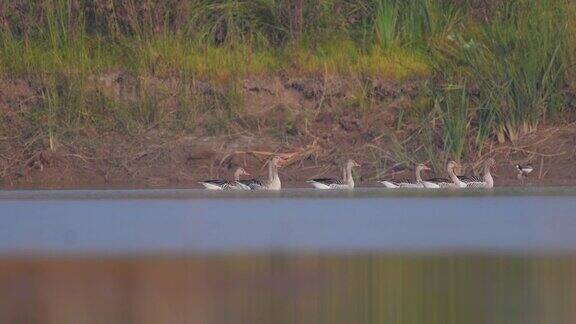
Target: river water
<point>298,256</point>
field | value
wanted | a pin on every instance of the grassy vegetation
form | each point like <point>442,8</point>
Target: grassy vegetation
<point>491,72</point>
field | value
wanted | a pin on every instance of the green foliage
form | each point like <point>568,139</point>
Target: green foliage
<point>521,63</point>
<point>510,71</point>
<point>452,107</point>
<point>517,56</point>
<point>414,23</point>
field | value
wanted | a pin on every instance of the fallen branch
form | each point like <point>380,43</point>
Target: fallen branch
<point>289,157</point>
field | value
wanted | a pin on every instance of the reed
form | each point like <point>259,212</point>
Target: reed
<point>517,54</point>
<point>520,60</point>
<point>454,112</point>
<point>416,24</point>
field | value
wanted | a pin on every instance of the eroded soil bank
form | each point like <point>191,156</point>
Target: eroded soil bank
<point>315,122</point>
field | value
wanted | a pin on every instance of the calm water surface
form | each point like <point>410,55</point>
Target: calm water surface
<point>298,256</point>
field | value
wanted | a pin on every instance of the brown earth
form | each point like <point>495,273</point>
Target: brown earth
<point>316,122</point>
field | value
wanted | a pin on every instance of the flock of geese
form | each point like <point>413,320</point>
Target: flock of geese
<point>347,182</point>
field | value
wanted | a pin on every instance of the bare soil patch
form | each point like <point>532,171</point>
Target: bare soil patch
<point>317,123</point>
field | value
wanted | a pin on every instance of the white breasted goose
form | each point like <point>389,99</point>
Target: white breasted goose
<point>486,181</point>
<point>417,183</point>
<point>225,184</point>
<point>273,181</point>
<point>453,182</point>
<point>347,181</point>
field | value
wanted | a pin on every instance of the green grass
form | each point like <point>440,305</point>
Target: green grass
<point>415,23</point>
<point>518,55</point>
<point>520,60</point>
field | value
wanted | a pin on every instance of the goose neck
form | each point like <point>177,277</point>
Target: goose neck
<point>349,179</point>
<point>454,178</point>
<point>272,171</point>
<point>418,175</point>
<point>488,177</point>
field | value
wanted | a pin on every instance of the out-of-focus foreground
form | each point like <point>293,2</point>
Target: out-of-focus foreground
<point>299,256</point>
<point>289,289</point>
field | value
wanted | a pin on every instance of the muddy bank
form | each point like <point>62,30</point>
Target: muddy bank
<point>316,122</point>
<point>182,162</point>
<point>115,161</point>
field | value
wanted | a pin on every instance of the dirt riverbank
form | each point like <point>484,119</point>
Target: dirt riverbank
<point>316,123</point>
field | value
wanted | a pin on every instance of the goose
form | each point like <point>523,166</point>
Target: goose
<point>273,181</point>
<point>523,171</point>
<point>486,181</point>
<point>453,182</point>
<point>417,183</point>
<point>347,181</point>
<point>225,184</point>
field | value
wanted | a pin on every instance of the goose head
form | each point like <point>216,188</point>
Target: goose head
<point>277,161</point>
<point>351,163</point>
<point>240,172</point>
<point>422,167</point>
<point>452,165</point>
<point>490,163</point>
